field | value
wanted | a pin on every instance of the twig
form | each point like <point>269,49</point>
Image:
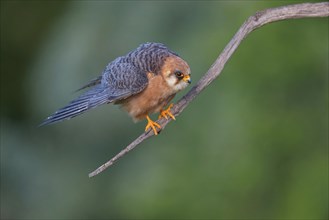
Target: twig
<point>259,19</point>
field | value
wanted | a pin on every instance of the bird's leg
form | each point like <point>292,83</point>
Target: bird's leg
<point>166,113</point>
<point>152,124</point>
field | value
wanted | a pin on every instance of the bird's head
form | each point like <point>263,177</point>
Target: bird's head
<point>176,73</point>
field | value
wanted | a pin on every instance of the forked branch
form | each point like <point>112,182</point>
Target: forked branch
<point>261,18</point>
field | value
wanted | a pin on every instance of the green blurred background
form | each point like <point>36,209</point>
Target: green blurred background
<point>254,144</point>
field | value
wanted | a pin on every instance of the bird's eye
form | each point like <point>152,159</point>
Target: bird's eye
<point>179,74</point>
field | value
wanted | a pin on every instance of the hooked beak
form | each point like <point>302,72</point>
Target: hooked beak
<point>187,79</point>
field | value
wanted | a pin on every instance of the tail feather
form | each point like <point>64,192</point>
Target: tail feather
<point>91,99</point>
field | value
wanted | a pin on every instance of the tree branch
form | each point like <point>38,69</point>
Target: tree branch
<point>261,18</point>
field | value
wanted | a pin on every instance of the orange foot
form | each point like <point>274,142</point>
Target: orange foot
<point>152,124</point>
<point>166,113</point>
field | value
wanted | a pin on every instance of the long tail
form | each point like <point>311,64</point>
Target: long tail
<point>90,99</point>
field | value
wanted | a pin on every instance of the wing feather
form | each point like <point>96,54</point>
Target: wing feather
<point>93,82</point>
<point>92,98</point>
<point>119,81</point>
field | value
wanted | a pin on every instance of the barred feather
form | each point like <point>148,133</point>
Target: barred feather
<point>122,78</point>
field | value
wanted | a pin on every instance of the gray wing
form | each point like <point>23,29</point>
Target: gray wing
<point>90,99</point>
<point>118,82</point>
<point>124,78</point>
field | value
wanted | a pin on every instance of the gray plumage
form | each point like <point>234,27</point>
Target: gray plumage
<point>122,78</point>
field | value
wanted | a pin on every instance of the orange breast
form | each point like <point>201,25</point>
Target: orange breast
<point>152,99</point>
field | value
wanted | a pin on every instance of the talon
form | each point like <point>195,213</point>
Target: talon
<point>166,113</point>
<point>152,124</point>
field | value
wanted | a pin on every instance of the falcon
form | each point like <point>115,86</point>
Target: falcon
<point>143,82</point>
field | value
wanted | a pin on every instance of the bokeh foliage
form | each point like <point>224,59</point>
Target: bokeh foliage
<point>253,145</point>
